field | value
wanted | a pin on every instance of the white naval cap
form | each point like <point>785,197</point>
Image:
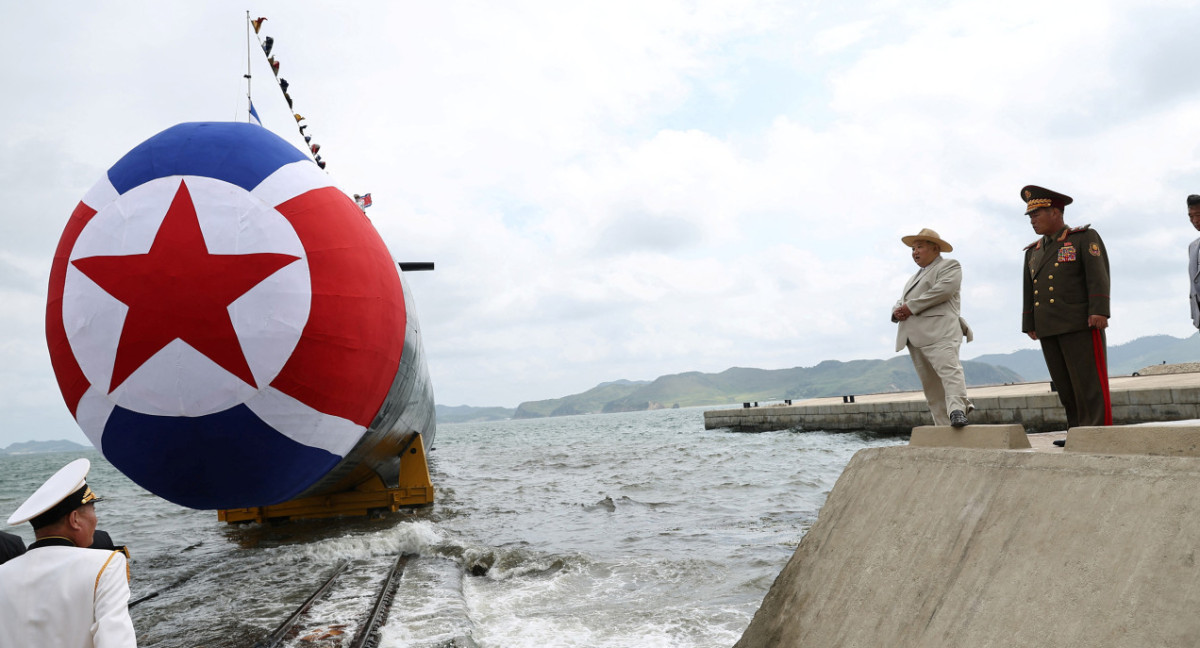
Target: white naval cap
<point>56,495</point>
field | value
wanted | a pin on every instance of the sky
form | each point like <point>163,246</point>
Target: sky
<point>624,190</point>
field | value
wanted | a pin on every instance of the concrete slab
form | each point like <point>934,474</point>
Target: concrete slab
<point>991,437</point>
<point>946,547</point>
<point>1159,440</point>
<point>1044,441</point>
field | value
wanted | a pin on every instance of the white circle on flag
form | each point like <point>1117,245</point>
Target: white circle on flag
<point>178,380</point>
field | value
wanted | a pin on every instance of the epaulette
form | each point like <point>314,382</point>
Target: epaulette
<point>1034,244</point>
<point>1081,228</point>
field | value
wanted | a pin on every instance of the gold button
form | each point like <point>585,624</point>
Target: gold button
<point>1051,301</point>
<point>1051,287</point>
<point>1035,292</point>
<point>1055,265</point>
<point>1035,281</point>
<point>1051,276</point>
<point>1036,304</point>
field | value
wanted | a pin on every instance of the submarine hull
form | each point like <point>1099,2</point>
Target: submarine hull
<point>229,330</point>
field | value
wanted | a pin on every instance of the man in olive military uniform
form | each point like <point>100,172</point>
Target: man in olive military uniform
<point>1066,306</point>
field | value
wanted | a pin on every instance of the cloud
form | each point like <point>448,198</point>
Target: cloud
<point>624,190</point>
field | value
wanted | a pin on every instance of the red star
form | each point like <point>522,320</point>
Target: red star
<point>178,291</point>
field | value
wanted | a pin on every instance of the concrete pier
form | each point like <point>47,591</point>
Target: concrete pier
<point>1135,399</point>
<point>950,547</point>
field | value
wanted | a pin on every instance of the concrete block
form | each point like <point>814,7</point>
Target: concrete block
<point>1055,417</point>
<point>992,437</point>
<point>1149,396</point>
<point>1160,440</point>
<point>1139,413</point>
<point>1015,402</point>
<point>946,547</point>
<point>1042,401</point>
<point>990,403</point>
<point>1181,395</point>
<point>1119,398</point>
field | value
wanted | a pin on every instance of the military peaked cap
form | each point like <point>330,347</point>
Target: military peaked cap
<point>1036,197</point>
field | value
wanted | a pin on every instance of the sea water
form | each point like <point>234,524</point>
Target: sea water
<point>639,529</point>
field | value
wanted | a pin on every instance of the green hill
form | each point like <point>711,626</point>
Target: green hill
<point>1123,359</point>
<point>829,378</point>
<point>589,402</point>
<point>468,414</point>
<point>740,384</point>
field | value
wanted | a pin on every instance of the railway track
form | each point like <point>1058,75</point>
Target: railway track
<point>305,626</point>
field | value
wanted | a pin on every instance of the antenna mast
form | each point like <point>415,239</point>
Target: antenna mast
<point>249,101</point>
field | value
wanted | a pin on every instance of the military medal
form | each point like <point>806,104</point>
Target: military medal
<point>1067,252</point>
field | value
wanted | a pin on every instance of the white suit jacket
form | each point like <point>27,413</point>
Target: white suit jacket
<point>1194,280</point>
<point>933,297</point>
<point>65,597</point>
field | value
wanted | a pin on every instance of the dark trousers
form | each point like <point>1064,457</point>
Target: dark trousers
<point>1078,364</point>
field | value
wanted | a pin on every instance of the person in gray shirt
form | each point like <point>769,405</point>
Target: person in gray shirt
<point>1193,205</point>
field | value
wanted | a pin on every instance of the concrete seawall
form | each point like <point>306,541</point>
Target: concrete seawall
<point>952,547</point>
<point>1135,399</point>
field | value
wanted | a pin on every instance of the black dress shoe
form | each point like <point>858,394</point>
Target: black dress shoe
<point>1062,443</point>
<point>958,418</point>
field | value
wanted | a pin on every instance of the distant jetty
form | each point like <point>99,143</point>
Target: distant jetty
<point>1154,394</point>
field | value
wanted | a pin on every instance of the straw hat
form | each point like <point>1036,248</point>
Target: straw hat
<point>927,234</point>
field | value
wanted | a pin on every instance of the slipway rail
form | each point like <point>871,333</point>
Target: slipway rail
<point>368,634</point>
<point>282,631</point>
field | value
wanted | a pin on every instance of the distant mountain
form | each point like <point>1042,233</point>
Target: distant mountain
<point>468,414</point>
<point>1026,363</point>
<point>829,378</point>
<point>38,447</point>
<point>1151,350</point>
<point>739,384</point>
<point>589,402</point>
<point>1123,359</point>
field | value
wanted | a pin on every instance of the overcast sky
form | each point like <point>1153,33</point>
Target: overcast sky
<point>631,189</point>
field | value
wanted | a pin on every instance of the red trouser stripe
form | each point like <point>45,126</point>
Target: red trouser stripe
<point>1102,369</point>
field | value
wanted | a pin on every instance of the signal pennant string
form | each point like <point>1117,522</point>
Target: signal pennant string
<point>267,44</point>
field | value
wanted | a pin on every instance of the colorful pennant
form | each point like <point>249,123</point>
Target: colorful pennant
<point>268,44</point>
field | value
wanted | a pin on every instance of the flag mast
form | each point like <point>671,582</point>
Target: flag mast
<point>249,100</point>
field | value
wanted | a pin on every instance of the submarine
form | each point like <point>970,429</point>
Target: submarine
<point>230,331</point>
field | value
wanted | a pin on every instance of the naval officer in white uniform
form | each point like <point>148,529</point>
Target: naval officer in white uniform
<point>60,594</point>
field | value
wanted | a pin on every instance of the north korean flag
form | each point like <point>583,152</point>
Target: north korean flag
<point>223,322</point>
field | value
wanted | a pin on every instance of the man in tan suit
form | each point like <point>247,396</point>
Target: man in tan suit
<point>931,328</point>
